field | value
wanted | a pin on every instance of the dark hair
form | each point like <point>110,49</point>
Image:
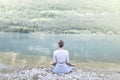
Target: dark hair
<point>61,43</point>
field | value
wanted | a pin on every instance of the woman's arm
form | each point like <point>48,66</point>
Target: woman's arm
<point>53,63</point>
<point>70,64</point>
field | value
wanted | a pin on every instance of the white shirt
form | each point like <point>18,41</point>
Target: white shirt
<point>61,56</point>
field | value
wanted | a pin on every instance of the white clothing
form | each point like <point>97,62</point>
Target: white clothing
<point>60,56</point>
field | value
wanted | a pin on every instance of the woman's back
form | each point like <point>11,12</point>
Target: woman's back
<point>61,56</point>
<point>61,60</point>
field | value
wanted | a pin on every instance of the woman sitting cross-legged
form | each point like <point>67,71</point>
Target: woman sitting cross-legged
<point>61,60</point>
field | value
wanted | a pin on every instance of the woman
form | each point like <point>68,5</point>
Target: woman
<point>61,60</point>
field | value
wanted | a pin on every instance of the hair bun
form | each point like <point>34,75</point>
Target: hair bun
<point>60,43</point>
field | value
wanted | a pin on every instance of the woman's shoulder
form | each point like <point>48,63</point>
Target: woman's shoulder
<point>63,50</point>
<point>55,51</point>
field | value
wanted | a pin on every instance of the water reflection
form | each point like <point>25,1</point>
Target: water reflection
<point>37,48</point>
<point>13,56</point>
<point>16,59</point>
<point>21,60</point>
<point>8,58</point>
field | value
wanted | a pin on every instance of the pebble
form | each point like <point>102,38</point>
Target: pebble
<point>46,74</point>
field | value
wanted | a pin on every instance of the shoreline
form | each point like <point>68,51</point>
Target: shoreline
<point>45,73</point>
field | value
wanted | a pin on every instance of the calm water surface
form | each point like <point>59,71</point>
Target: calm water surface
<point>20,49</point>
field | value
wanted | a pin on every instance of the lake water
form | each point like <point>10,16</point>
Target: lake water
<point>35,49</point>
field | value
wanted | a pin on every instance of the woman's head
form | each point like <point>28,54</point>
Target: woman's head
<point>61,44</point>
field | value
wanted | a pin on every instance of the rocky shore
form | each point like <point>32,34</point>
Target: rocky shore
<point>45,73</point>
